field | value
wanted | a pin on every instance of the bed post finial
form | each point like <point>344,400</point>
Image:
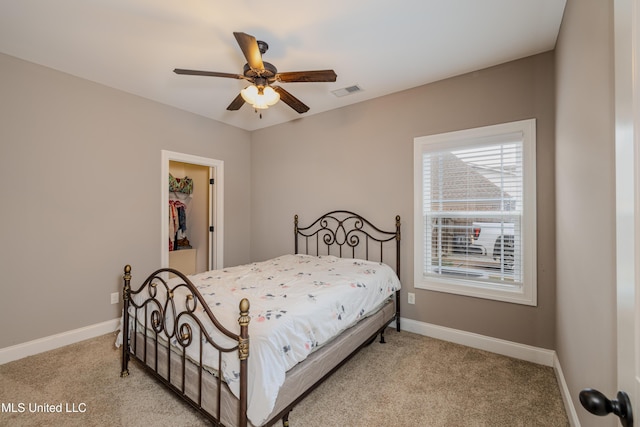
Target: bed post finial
<point>127,282</point>
<point>243,340</point>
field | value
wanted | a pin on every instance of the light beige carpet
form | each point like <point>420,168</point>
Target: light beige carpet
<point>409,381</point>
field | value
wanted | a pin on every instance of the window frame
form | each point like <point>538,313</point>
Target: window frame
<point>525,293</point>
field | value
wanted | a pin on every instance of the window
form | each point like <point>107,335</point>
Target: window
<point>475,212</point>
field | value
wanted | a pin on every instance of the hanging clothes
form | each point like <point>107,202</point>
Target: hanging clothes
<point>181,189</point>
<point>177,223</point>
<point>182,217</point>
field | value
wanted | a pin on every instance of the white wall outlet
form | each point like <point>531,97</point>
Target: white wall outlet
<point>411,297</point>
<point>115,298</point>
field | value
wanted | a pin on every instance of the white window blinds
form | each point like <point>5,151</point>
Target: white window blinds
<point>473,208</point>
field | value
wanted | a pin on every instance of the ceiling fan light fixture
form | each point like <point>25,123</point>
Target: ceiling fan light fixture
<point>260,98</point>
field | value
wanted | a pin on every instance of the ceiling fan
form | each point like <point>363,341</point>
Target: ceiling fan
<point>261,93</point>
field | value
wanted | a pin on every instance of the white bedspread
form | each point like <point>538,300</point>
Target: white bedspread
<point>298,303</point>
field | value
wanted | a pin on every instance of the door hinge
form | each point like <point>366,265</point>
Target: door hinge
<point>211,181</point>
<point>211,228</point>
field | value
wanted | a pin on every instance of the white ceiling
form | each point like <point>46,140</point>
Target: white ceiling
<point>383,46</point>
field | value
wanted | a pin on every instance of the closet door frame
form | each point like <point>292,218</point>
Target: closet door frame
<point>216,210</point>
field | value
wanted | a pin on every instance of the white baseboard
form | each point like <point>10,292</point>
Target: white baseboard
<point>40,345</point>
<point>566,395</point>
<point>529,353</point>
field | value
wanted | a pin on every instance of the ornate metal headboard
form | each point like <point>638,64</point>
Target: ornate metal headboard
<point>347,234</point>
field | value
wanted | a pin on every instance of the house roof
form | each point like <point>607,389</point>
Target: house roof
<point>464,186</point>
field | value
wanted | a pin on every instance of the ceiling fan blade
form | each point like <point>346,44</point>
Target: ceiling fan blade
<point>250,49</point>
<point>236,103</point>
<point>207,73</point>
<point>307,76</point>
<point>291,100</point>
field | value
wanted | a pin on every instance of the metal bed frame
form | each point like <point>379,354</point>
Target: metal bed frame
<point>344,232</point>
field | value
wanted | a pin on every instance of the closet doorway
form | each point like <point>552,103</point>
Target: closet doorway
<point>200,246</point>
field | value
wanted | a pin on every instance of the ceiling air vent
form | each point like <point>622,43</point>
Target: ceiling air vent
<point>346,91</point>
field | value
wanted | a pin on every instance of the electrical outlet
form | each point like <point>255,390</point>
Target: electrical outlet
<point>115,298</point>
<point>412,298</point>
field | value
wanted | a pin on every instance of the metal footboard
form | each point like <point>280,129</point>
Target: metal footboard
<point>162,319</point>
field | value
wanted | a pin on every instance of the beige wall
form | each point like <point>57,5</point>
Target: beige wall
<point>360,158</point>
<point>77,233</point>
<point>585,190</point>
<point>80,167</point>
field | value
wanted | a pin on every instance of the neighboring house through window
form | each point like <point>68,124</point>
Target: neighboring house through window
<point>475,212</point>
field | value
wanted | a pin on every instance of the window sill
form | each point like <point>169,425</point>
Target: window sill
<point>504,293</point>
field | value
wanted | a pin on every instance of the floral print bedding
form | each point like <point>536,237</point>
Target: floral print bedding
<point>298,303</point>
